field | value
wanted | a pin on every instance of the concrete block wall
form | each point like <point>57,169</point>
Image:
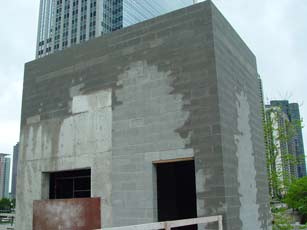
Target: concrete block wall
<point>171,87</point>
<point>241,127</point>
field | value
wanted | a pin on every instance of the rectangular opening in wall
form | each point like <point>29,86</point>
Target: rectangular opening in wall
<point>176,191</point>
<point>70,184</point>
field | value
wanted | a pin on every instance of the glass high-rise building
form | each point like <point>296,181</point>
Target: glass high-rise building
<point>7,169</point>
<point>277,150</point>
<point>64,23</point>
<point>295,142</point>
<point>5,165</point>
<point>14,170</point>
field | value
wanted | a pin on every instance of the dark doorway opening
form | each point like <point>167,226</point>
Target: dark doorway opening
<point>176,191</point>
<point>70,184</point>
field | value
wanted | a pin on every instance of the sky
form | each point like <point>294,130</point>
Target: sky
<point>275,30</point>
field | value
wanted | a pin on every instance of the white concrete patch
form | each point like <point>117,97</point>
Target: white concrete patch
<point>76,90</point>
<point>147,100</point>
<point>86,103</point>
<point>147,120</point>
<point>33,119</point>
<point>83,140</point>
<point>246,167</point>
<point>200,182</point>
<point>86,133</point>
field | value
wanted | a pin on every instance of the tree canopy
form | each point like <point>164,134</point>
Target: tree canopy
<point>297,196</point>
<point>5,204</point>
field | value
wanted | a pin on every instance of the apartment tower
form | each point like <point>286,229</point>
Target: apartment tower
<point>14,170</point>
<point>5,164</point>
<point>279,164</point>
<point>295,142</point>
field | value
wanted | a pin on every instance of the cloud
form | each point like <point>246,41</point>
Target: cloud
<point>18,23</point>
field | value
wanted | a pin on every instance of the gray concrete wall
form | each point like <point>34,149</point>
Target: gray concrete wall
<point>246,185</point>
<point>153,91</point>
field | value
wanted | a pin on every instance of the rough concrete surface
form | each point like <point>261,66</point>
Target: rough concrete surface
<point>180,85</point>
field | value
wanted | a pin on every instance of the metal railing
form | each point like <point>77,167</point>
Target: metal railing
<point>7,220</point>
<point>168,225</point>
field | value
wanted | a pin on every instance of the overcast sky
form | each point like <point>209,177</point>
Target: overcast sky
<point>275,30</point>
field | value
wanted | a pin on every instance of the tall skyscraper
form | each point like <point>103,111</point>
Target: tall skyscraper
<point>5,165</point>
<point>64,23</point>
<point>7,170</point>
<point>295,142</point>
<point>14,170</point>
<point>280,168</point>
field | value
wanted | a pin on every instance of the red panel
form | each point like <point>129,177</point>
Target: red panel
<point>67,214</point>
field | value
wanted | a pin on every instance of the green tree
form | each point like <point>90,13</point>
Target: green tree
<point>296,197</point>
<point>5,204</point>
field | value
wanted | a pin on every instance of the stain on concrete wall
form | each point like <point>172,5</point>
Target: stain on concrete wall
<point>82,140</point>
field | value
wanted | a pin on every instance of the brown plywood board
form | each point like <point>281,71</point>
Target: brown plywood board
<point>67,214</point>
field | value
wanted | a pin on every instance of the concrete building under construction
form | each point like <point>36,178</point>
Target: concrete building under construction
<point>157,121</point>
